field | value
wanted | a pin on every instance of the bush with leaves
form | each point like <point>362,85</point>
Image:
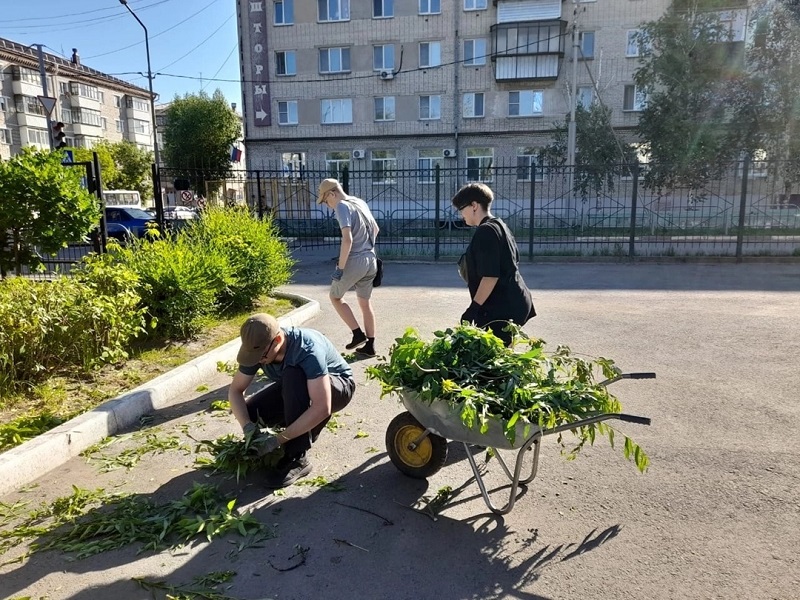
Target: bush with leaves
<point>258,260</point>
<point>74,322</point>
<point>475,373</point>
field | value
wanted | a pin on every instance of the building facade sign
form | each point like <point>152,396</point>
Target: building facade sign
<point>259,74</point>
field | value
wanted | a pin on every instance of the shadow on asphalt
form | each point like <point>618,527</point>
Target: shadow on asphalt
<point>362,542</point>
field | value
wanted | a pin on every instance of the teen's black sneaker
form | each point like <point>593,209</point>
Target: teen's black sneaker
<point>287,472</point>
<point>359,337</point>
<point>366,350</point>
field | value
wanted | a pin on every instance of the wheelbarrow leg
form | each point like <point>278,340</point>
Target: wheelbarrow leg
<point>515,478</point>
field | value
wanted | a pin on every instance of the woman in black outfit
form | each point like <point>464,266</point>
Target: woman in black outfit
<point>490,266</point>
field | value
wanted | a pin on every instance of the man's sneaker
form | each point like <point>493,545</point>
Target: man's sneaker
<point>287,472</point>
<point>366,350</point>
<point>359,337</point>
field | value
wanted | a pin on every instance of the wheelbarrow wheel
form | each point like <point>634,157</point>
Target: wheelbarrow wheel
<point>422,461</point>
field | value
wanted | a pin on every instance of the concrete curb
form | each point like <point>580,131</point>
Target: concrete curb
<point>23,464</point>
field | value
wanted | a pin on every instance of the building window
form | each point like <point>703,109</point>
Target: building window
<point>85,91</point>
<point>137,104</point>
<point>382,9</point>
<point>527,164</point>
<point>430,54</point>
<point>634,100</point>
<point>5,136</point>
<point>474,4</point>
<point>120,125</point>
<point>430,7</point>
<point>38,136</point>
<point>339,110</point>
<point>63,87</point>
<point>292,164</point>
<point>383,57</point>
<point>334,10</point>
<point>285,63</point>
<point>430,107</point>
<point>69,141</point>
<point>287,112</point>
<point>473,104</point>
<point>586,44</point>
<point>384,108</point>
<point>104,123</point>
<point>336,162</point>
<point>474,52</point>
<point>141,127</point>
<point>526,103</point>
<point>384,166</point>
<point>84,116</point>
<point>28,76</point>
<point>427,162</point>
<point>118,101</point>
<point>637,43</point>
<point>101,96</point>
<point>30,105</point>
<point>334,60</point>
<point>284,12</point>
<point>479,164</point>
<point>3,104</point>
<point>585,96</point>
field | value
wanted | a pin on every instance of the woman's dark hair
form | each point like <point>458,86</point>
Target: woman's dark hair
<point>473,192</point>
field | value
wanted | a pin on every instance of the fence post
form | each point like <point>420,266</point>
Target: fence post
<point>346,180</point>
<point>98,191</point>
<point>634,201</point>
<point>437,211</point>
<point>530,220</point>
<point>742,207</point>
<point>159,200</point>
<point>258,198</point>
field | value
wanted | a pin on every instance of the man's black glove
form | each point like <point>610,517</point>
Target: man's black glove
<point>474,313</point>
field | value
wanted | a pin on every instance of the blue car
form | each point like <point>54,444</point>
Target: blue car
<point>134,220</point>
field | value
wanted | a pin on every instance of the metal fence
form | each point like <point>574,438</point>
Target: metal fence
<point>743,213</point>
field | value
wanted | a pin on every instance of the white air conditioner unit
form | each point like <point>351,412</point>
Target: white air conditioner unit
<point>386,75</point>
<point>449,152</point>
<point>359,153</point>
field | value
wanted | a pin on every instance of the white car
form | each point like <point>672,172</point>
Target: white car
<point>174,213</point>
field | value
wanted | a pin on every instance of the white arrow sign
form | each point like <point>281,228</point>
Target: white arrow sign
<point>260,114</point>
<point>48,103</point>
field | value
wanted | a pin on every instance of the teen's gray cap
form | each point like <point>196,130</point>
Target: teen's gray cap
<point>257,334</point>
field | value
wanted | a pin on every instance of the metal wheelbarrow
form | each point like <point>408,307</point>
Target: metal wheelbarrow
<point>416,441</point>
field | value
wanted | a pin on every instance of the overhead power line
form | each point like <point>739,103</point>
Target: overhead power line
<point>225,22</point>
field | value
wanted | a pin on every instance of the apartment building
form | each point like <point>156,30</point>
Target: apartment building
<point>378,84</point>
<point>91,104</point>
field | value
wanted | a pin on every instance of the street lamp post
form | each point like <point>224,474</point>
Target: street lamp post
<point>156,153</point>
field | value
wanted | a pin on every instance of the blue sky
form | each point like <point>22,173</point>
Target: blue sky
<point>193,39</point>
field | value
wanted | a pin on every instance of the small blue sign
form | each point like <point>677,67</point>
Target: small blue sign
<point>68,158</point>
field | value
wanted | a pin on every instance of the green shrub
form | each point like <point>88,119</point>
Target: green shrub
<point>258,261</point>
<point>71,322</point>
<point>179,284</point>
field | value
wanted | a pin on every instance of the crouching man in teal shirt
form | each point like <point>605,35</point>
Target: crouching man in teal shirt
<point>310,379</point>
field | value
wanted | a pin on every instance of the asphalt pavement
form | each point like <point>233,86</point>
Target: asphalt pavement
<point>716,516</point>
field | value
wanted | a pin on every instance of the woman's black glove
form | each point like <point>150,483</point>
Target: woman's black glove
<point>473,313</point>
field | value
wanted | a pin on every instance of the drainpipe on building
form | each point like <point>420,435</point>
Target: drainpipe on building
<point>456,71</point>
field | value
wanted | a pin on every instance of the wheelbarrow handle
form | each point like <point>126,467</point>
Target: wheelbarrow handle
<point>638,376</point>
<point>634,419</point>
<point>596,419</point>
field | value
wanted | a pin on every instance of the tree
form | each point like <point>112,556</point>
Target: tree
<point>123,165</point>
<point>688,65</point>
<point>599,156</point>
<point>134,168</point>
<point>766,106</point>
<point>198,135</point>
<point>42,206</point>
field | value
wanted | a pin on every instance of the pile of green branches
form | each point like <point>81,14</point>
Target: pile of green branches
<point>471,370</point>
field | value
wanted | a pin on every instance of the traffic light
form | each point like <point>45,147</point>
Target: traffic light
<point>58,136</point>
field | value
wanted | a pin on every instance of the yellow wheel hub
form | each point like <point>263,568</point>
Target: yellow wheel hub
<point>418,457</point>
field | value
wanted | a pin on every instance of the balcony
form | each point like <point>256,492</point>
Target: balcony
<point>33,120</point>
<point>528,50</point>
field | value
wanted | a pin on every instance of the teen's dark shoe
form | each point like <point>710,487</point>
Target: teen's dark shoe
<point>287,472</point>
<point>359,337</point>
<point>366,350</point>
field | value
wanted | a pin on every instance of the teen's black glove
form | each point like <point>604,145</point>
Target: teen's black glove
<point>473,313</point>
